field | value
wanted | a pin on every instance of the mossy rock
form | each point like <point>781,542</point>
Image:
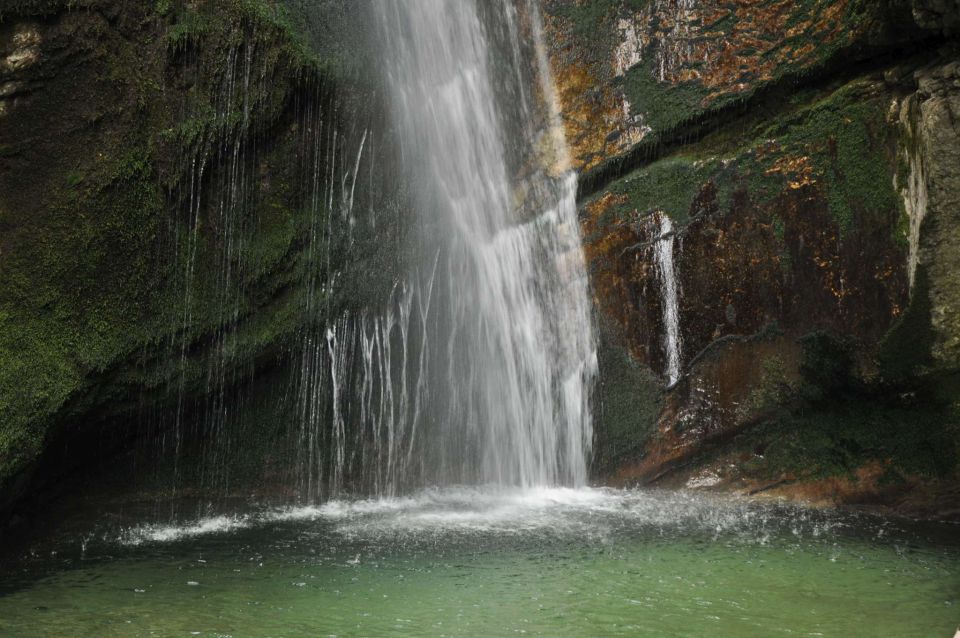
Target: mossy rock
<point>154,205</point>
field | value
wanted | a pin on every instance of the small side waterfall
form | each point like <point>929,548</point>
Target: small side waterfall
<point>666,274</point>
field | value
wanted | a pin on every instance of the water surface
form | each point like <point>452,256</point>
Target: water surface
<point>467,562</point>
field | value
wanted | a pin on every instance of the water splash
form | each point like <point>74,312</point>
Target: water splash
<point>561,512</point>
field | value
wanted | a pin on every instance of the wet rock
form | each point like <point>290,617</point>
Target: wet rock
<point>659,64</point>
<point>939,15</point>
<point>938,123</point>
<point>828,204</point>
<point>21,50</point>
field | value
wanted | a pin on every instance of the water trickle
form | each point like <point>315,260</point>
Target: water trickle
<point>327,344</point>
<point>913,187</point>
<point>215,196</point>
<point>663,250</point>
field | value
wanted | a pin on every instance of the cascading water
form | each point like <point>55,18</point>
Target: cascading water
<point>478,366</point>
<point>511,344</point>
<point>666,274</point>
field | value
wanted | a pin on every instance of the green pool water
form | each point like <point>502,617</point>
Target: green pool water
<point>485,562</point>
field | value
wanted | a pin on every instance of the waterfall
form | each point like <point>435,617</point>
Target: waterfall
<point>666,275</point>
<point>510,349</point>
<point>471,364</point>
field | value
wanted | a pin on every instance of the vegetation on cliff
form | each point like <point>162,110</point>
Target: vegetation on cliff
<point>154,203</point>
<point>786,177</point>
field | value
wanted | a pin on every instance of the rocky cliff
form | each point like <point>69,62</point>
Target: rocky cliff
<point>769,194</point>
<point>167,176</point>
<point>799,160</point>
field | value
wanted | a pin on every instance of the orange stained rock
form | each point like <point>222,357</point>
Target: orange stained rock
<point>696,45</point>
<point>588,116</point>
<point>728,47</point>
<point>611,275</point>
<point>797,168</point>
<point>863,485</point>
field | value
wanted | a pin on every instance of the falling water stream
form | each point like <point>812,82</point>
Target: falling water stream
<point>479,367</point>
<point>516,393</point>
<point>663,250</point>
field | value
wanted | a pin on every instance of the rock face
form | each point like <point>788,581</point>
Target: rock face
<point>770,197</point>
<point>806,155</point>
<point>941,15</point>
<point>637,70</point>
<point>161,239</point>
<point>936,111</point>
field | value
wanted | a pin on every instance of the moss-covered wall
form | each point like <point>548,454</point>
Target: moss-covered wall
<point>160,168</point>
<point>169,174</point>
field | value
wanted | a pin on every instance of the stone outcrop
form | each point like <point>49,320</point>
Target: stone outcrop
<point>937,142</point>
<point>635,71</point>
<point>938,15</point>
<point>806,154</point>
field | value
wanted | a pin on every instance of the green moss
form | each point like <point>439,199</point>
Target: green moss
<point>841,135</point>
<point>837,441</point>
<point>93,311</point>
<point>826,366</point>
<point>775,389</point>
<point>847,136</point>
<point>74,179</point>
<point>629,399</point>
<point>37,7</point>
<point>591,25</point>
<point>669,186</point>
<point>905,350</point>
<point>663,107</point>
<point>188,27</point>
<point>838,423</point>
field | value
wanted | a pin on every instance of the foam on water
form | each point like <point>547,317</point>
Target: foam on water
<point>174,532</point>
<point>497,510</point>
